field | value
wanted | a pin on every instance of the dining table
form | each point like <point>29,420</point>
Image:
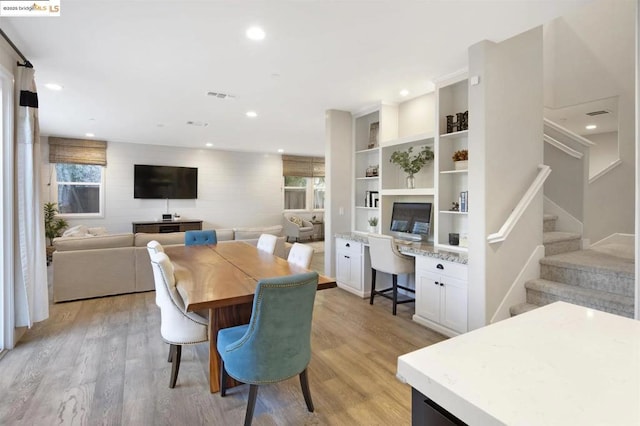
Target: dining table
<point>221,279</point>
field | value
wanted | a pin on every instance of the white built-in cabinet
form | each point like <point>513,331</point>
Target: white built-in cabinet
<point>399,126</point>
<point>452,98</point>
<point>441,295</point>
<point>353,267</point>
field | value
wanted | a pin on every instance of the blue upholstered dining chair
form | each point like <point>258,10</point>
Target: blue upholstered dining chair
<point>276,344</point>
<point>200,238</point>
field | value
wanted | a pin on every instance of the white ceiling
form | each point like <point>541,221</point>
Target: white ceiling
<point>137,71</point>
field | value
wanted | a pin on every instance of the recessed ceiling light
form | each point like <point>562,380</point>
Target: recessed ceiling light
<point>209,144</point>
<point>281,150</point>
<point>53,86</point>
<point>255,33</point>
<point>89,135</point>
<point>404,92</point>
<point>591,127</point>
<point>252,114</point>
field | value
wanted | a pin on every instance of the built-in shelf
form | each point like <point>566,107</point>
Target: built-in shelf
<point>406,191</point>
<point>366,208</point>
<point>368,178</point>
<point>454,135</point>
<point>410,139</point>
<point>453,212</point>
<point>368,151</point>
<point>454,171</point>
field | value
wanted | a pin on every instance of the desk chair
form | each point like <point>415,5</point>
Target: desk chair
<point>177,327</point>
<point>385,257</point>
<point>200,238</point>
<point>276,344</point>
<point>300,255</point>
<point>267,243</point>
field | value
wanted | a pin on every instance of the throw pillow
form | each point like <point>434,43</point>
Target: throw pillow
<point>296,220</point>
<point>76,231</point>
<point>97,231</point>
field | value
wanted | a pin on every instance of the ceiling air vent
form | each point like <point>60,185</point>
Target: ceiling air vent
<point>197,123</point>
<point>219,95</point>
<point>592,113</point>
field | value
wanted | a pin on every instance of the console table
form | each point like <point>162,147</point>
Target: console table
<point>162,226</point>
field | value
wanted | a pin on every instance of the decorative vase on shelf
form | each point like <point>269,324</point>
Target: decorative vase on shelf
<point>411,182</point>
<point>372,230</point>
<point>461,165</point>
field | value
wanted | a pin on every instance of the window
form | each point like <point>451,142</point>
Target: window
<point>79,189</point>
<point>300,192</point>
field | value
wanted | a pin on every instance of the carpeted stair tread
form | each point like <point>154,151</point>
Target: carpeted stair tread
<point>549,222</point>
<point>551,291</point>
<point>548,216</point>
<point>521,308</point>
<point>550,237</point>
<point>592,261</point>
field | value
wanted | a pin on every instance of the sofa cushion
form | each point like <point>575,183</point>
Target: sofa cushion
<point>253,233</point>
<point>89,243</point>
<point>97,231</point>
<point>166,239</point>
<point>224,234</point>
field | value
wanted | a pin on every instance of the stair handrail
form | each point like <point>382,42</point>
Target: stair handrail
<point>563,147</point>
<point>543,172</point>
<point>576,137</point>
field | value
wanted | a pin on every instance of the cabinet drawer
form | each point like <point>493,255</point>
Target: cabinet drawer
<point>348,246</point>
<point>442,267</point>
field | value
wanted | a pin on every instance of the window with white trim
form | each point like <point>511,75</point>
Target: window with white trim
<point>301,192</point>
<point>79,189</point>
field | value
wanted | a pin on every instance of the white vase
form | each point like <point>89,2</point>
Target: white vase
<point>461,165</point>
<point>372,229</point>
<point>411,182</point>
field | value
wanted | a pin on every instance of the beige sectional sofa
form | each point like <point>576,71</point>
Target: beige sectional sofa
<point>105,265</point>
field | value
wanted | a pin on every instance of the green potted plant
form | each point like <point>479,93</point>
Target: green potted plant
<point>53,226</point>
<point>410,163</point>
<point>460,159</point>
<point>373,223</point>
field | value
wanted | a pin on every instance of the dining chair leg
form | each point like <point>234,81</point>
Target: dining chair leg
<point>251,404</point>
<point>373,286</point>
<point>223,379</point>
<point>304,383</point>
<point>170,353</point>
<point>175,365</point>
<point>395,292</point>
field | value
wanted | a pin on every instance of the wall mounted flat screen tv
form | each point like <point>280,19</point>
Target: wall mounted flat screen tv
<point>411,221</point>
<point>165,182</point>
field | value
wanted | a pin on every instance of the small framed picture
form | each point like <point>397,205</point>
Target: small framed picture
<point>374,129</point>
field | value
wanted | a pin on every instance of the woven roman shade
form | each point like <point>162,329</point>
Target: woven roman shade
<point>293,165</point>
<point>77,151</point>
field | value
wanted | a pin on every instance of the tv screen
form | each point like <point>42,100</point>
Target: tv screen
<point>165,182</point>
<point>412,220</point>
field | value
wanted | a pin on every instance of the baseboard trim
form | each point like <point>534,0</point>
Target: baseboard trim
<point>435,326</point>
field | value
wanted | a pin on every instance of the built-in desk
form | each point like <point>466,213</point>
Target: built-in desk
<point>560,364</point>
<point>163,226</point>
<point>440,280</point>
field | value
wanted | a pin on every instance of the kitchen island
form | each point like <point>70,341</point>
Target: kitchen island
<point>560,364</point>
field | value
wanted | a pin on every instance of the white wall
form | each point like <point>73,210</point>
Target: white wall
<point>604,152</point>
<point>505,146</point>
<point>592,57</point>
<point>235,189</point>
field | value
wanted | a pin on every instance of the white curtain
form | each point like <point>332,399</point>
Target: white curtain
<point>31,293</point>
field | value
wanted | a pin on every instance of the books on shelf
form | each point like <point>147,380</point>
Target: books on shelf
<point>371,199</point>
<point>464,201</point>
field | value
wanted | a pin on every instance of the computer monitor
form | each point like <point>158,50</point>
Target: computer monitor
<point>411,221</point>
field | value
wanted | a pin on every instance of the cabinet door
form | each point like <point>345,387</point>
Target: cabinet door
<point>428,295</point>
<point>453,304</point>
<point>347,269</point>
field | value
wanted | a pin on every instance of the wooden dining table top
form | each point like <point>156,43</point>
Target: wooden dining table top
<point>226,274</point>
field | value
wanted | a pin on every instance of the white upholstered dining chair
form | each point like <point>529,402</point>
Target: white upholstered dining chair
<point>177,326</point>
<point>300,255</point>
<point>267,243</point>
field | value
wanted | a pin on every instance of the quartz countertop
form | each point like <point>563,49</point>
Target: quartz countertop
<point>412,249</point>
<point>560,364</point>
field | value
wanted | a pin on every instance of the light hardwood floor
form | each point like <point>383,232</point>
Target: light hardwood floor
<point>102,361</point>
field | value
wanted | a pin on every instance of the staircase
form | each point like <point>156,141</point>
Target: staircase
<point>601,278</point>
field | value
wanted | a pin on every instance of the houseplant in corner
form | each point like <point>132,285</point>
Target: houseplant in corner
<point>460,159</point>
<point>53,226</point>
<point>373,223</point>
<point>412,164</point>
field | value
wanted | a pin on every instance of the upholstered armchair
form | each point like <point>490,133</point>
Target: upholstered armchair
<point>276,344</point>
<point>297,227</point>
